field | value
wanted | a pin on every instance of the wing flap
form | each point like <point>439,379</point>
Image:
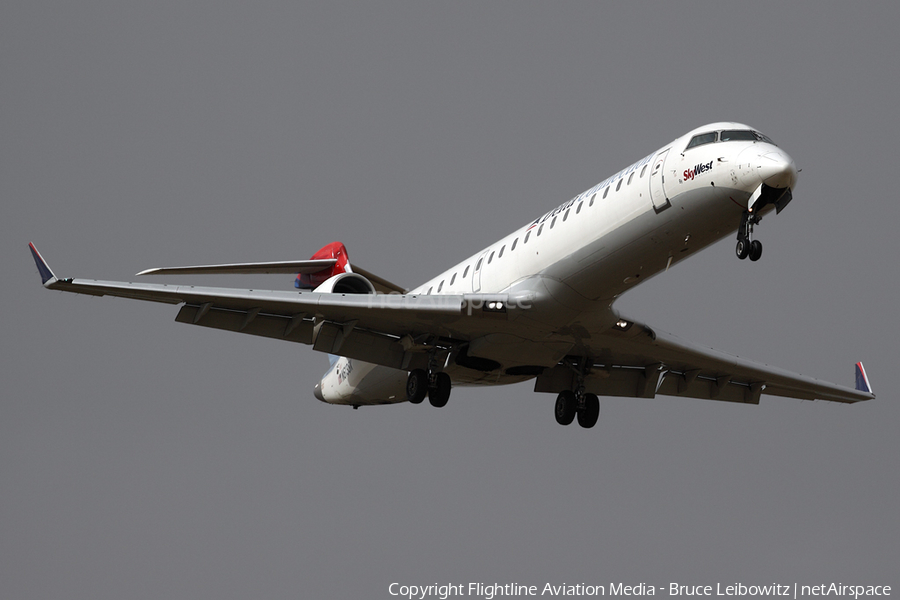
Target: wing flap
<point>632,381</point>
<point>324,336</point>
<point>278,327</point>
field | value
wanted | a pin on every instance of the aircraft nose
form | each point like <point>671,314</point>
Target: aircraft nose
<point>777,169</point>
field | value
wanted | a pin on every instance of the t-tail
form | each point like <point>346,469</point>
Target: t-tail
<point>334,250</point>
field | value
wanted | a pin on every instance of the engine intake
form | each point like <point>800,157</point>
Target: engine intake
<point>346,283</point>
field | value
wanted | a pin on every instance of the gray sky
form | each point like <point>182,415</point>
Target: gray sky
<point>142,458</point>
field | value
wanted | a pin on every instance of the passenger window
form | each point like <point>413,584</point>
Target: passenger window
<point>527,235</point>
<point>566,216</point>
<point>703,138</point>
<point>630,177</point>
<point>553,222</point>
<point>513,247</point>
<point>429,290</point>
<point>466,272</point>
<point>605,192</point>
<point>452,279</point>
<point>502,248</point>
<point>490,258</point>
<point>478,266</point>
<point>619,185</point>
<point>644,170</point>
<point>591,203</point>
<point>578,210</point>
<point>440,286</point>
<point>540,229</point>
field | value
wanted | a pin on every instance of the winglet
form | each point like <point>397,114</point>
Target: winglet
<point>46,274</point>
<point>862,380</point>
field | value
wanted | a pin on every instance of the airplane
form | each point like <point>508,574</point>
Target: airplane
<point>537,304</point>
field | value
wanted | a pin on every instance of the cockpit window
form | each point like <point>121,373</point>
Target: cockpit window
<point>703,138</point>
<point>743,135</point>
<point>764,138</point>
<point>738,135</point>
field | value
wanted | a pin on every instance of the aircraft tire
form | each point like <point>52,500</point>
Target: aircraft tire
<point>742,249</point>
<point>440,393</point>
<point>416,386</point>
<point>755,250</point>
<point>565,407</point>
<point>587,416</point>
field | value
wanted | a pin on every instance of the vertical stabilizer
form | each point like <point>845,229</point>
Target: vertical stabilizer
<point>335,250</point>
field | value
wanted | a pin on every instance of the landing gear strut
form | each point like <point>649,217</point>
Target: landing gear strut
<point>584,405</point>
<point>746,246</point>
<point>436,386</point>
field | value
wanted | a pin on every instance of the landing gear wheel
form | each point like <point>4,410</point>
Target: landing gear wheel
<point>565,407</point>
<point>743,248</point>
<point>755,250</point>
<point>416,386</point>
<point>587,416</point>
<point>440,393</point>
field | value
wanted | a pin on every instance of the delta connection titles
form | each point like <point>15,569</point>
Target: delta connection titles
<point>490,591</point>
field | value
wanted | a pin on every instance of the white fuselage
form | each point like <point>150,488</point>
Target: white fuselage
<point>589,250</point>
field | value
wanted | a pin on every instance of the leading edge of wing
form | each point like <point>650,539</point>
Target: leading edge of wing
<point>275,301</point>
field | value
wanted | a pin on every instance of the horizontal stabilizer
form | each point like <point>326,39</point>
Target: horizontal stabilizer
<point>862,380</point>
<point>277,267</point>
<point>291,267</point>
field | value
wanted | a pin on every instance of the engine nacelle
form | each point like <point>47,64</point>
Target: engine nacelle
<point>346,283</point>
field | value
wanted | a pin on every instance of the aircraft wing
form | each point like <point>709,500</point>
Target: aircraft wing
<point>637,361</point>
<point>384,329</point>
<point>392,330</point>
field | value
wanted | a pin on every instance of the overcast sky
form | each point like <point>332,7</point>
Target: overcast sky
<point>142,458</point>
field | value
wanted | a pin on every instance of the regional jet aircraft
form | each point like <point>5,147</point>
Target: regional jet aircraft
<point>537,304</point>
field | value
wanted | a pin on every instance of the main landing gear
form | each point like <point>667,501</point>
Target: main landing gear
<point>435,385</point>
<point>746,246</point>
<point>570,404</point>
<point>585,406</point>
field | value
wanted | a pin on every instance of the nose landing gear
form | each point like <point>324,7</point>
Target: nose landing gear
<point>746,246</point>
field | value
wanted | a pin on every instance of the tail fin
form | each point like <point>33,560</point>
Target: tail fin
<point>335,250</point>
<point>862,380</point>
